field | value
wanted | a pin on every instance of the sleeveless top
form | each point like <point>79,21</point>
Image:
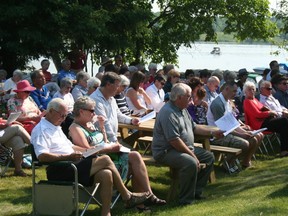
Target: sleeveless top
<point>131,106</point>
<point>119,159</point>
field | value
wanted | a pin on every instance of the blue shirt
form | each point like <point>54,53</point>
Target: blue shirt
<point>69,74</point>
<point>41,97</point>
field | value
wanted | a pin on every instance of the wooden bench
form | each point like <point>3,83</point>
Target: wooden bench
<point>223,150</point>
<point>147,140</point>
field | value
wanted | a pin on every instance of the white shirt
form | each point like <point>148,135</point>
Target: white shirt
<point>272,103</point>
<point>10,84</point>
<point>68,98</point>
<point>111,112</point>
<point>48,138</point>
<point>157,97</point>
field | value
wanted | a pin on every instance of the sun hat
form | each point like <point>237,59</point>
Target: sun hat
<point>105,60</point>
<point>23,86</point>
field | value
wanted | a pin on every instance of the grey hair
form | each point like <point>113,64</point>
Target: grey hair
<point>124,81</point>
<point>229,76</point>
<point>82,103</point>
<point>56,104</point>
<point>82,75</point>
<point>179,89</point>
<point>152,66</point>
<point>65,82</point>
<point>265,82</point>
<point>92,81</point>
<point>248,84</point>
<point>18,73</point>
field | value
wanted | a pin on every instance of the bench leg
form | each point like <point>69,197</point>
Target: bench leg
<point>173,192</point>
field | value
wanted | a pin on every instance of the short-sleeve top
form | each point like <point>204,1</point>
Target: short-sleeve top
<point>172,123</point>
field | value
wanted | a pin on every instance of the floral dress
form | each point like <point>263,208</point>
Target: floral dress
<point>28,107</point>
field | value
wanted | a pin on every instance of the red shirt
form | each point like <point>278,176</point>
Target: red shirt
<point>254,115</point>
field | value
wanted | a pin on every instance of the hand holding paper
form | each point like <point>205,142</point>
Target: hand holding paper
<point>227,123</point>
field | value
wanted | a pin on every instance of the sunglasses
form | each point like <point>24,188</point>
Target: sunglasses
<point>27,92</point>
<point>268,88</point>
<point>284,83</point>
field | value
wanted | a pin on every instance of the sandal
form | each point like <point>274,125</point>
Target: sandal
<point>20,173</point>
<point>136,199</point>
<point>156,201</point>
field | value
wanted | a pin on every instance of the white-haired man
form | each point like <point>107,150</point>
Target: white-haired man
<point>173,144</point>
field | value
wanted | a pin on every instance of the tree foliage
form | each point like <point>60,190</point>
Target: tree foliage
<point>282,16</point>
<point>33,28</point>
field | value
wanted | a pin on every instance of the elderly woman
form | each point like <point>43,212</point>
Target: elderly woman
<point>92,84</point>
<point>66,85</point>
<point>120,98</point>
<point>15,137</point>
<point>137,99</point>
<point>22,102</point>
<point>258,116</point>
<point>80,89</point>
<point>84,134</point>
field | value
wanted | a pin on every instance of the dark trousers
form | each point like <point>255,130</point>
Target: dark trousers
<point>278,125</point>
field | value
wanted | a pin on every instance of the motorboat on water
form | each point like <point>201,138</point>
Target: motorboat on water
<point>216,51</point>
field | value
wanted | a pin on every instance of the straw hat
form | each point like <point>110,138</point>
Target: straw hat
<point>23,86</point>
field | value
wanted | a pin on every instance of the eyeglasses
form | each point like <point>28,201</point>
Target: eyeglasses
<point>61,115</point>
<point>268,88</point>
<point>90,110</point>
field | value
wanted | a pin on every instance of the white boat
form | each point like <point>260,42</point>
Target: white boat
<point>216,51</point>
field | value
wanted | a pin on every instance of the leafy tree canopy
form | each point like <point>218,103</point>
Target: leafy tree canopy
<point>50,28</point>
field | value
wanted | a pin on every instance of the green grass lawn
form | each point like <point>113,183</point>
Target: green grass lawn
<point>259,191</point>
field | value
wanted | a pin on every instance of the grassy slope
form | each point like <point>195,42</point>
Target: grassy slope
<point>259,191</point>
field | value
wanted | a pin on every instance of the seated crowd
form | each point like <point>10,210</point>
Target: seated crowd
<point>85,111</point>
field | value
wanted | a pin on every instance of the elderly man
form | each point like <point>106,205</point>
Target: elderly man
<point>41,94</point>
<point>173,139</point>
<point>211,89</point>
<point>66,71</point>
<point>51,145</point>
<point>156,92</point>
<point>80,89</point>
<point>267,99</point>
<point>239,138</point>
<point>10,84</point>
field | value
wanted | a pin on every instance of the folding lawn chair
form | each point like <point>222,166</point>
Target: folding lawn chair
<point>6,156</point>
<point>60,197</point>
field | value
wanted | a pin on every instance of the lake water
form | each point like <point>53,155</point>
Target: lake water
<point>232,57</point>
